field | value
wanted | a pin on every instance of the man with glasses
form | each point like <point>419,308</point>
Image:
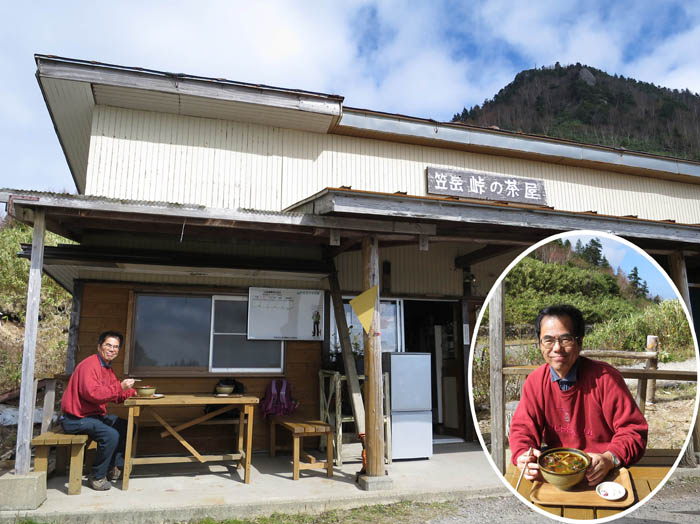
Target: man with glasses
<point>92,385</point>
<point>572,401</point>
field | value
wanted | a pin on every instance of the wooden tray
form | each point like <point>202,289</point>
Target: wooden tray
<point>583,494</point>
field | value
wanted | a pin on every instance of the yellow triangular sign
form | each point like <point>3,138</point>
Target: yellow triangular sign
<point>363,306</point>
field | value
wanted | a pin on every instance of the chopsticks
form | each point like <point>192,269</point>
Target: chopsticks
<point>522,472</point>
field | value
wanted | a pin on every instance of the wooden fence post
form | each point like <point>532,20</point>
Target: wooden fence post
<point>496,358</point>
<point>652,363</point>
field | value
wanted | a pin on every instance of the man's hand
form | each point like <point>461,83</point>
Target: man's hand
<point>532,468</point>
<point>127,383</point>
<point>601,464</point>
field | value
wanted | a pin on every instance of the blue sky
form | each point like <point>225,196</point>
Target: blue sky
<point>426,59</point>
<point>621,255</point>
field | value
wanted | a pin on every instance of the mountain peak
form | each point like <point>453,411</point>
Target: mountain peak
<point>581,103</point>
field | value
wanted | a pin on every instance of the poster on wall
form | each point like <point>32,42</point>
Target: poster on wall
<point>285,314</point>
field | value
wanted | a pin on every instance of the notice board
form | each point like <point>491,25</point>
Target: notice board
<point>285,314</point>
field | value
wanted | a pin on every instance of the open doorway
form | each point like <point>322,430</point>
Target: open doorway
<point>435,327</point>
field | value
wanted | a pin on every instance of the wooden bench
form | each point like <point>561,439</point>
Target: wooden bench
<point>300,429</point>
<point>73,445</point>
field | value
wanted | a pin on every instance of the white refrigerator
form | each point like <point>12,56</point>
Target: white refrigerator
<point>411,405</point>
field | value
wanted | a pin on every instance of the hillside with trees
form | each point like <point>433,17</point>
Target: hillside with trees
<point>585,104</point>
<point>54,309</point>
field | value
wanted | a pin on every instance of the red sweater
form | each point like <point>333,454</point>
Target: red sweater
<point>90,388</point>
<point>597,414</point>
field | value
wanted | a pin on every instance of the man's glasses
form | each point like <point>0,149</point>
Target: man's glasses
<point>110,346</point>
<point>565,341</point>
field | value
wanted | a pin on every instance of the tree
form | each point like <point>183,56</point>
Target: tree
<point>593,253</point>
<point>639,286</point>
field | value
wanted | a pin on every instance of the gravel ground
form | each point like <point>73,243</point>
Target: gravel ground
<point>677,502</point>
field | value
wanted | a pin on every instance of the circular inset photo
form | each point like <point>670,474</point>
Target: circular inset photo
<point>583,376</point>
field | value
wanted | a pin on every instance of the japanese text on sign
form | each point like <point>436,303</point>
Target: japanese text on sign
<point>472,184</point>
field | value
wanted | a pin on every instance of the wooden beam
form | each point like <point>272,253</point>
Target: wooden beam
<point>25,422</point>
<point>497,335</point>
<point>358,408</point>
<point>211,217</point>
<point>427,209</point>
<point>374,430</point>
<point>485,253</point>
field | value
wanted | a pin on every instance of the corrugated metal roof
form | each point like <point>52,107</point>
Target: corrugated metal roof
<point>182,76</point>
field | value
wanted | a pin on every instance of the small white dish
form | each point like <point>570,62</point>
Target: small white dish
<point>157,395</point>
<point>611,490</point>
<point>222,394</point>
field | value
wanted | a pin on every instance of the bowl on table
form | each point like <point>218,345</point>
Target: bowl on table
<point>563,467</point>
<point>145,391</point>
<point>224,390</point>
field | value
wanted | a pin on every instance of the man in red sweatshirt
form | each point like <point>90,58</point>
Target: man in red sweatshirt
<point>575,402</point>
<point>84,405</point>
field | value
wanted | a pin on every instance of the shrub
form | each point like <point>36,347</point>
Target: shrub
<point>666,320</point>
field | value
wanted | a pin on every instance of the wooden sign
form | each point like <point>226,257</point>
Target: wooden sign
<point>474,184</point>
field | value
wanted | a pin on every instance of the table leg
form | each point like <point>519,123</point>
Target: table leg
<point>296,444</point>
<point>248,441</point>
<point>130,450</point>
<point>273,437</point>
<point>329,454</point>
<point>241,423</point>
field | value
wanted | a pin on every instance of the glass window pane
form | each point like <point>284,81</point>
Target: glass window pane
<point>236,351</point>
<point>389,329</point>
<point>171,331</point>
<point>230,316</point>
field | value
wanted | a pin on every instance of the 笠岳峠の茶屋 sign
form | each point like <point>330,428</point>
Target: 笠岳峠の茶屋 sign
<point>473,184</point>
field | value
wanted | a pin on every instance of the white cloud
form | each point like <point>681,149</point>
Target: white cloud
<point>422,59</point>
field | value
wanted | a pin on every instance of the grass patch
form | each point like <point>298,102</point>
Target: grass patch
<point>400,512</point>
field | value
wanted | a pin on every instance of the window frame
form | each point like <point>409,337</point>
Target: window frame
<point>398,317</point>
<point>212,333</point>
<point>203,371</point>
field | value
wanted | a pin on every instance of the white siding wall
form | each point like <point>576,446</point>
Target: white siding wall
<point>153,156</point>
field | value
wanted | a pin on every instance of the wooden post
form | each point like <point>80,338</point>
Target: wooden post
<point>679,275</point>
<point>25,422</point>
<point>652,363</point>
<point>374,425</point>
<point>49,401</point>
<point>358,408</point>
<point>497,333</point>
<point>72,349</point>
<point>469,430</point>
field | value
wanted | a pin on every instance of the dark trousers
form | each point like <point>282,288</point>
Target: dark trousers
<point>110,434</point>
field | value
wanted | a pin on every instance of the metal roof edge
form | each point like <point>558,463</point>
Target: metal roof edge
<point>548,149</point>
<point>49,66</point>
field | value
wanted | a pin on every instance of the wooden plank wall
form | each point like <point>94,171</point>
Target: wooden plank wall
<point>105,306</point>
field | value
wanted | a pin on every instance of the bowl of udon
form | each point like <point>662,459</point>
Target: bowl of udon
<point>564,467</point>
<point>145,391</point>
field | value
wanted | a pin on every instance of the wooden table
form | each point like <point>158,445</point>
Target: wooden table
<point>644,480</point>
<point>138,405</point>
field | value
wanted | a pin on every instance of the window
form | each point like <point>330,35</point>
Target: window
<point>230,348</point>
<point>187,334</point>
<point>391,327</point>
